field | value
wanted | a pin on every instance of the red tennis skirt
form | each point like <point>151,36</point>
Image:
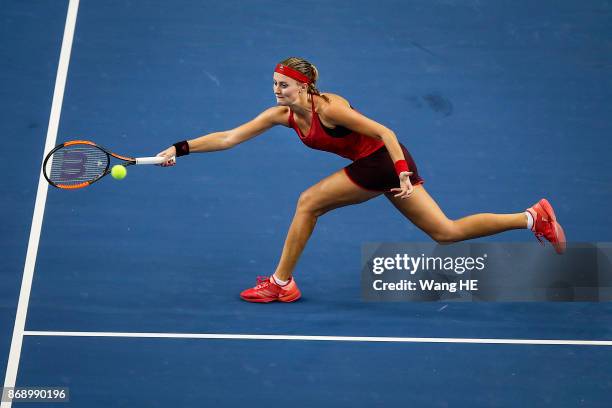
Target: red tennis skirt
<point>376,172</point>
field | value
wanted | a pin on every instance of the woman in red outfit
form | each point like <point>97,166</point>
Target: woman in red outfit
<point>380,165</point>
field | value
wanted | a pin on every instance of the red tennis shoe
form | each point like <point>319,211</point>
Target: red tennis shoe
<point>545,225</point>
<point>267,290</point>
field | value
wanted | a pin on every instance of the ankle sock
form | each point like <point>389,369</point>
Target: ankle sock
<point>529,220</point>
<point>280,282</point>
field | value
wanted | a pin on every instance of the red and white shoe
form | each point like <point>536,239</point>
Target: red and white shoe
<point>545,225</point>
<point>267,290</point>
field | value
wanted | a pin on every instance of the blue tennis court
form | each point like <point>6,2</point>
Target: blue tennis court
<point>132,296</point>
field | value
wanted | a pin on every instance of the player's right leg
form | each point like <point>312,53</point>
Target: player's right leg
<point>330,193</point>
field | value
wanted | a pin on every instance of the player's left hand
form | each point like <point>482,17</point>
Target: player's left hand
<point>406,188</point>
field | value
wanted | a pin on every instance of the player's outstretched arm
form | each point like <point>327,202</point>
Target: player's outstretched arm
<point>227,139</point>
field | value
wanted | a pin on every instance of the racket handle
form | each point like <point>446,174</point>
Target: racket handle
<point>152,160</point>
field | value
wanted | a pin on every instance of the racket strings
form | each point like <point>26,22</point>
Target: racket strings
<point>76,164</point>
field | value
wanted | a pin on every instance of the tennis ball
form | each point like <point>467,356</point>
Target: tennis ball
<point>118,172</point>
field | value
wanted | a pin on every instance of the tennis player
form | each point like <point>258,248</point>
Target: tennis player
<point>380,165</point>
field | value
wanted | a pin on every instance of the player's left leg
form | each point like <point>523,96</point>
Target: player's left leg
<point>424,212</point>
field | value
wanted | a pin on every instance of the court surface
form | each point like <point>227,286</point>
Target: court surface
<point>134,290</point>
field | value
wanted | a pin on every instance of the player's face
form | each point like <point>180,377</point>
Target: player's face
<point>285,89</point>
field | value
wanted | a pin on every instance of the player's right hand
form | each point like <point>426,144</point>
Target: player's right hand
<point>169,154</point>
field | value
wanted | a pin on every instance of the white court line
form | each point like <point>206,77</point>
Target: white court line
<point>548,342</point>
<point>41,198</point>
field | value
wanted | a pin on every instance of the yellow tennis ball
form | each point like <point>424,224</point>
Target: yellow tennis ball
<point>118,172</point>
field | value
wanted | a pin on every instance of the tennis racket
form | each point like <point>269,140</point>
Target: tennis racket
<point>80,163</point>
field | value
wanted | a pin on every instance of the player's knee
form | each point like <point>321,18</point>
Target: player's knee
<point>446,234</point>
<point>308,203</point>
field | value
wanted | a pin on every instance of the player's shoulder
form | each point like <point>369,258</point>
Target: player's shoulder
<point>335,104</point>
<point>335,98</point>
<point>334,101</point>
<point>278,115</point>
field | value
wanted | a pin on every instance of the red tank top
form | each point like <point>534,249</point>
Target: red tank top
<point>351,145</point>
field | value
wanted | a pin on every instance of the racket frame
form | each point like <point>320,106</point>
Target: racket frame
<point>127,161</point>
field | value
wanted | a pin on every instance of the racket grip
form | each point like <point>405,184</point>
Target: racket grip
<point>152,160</point>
